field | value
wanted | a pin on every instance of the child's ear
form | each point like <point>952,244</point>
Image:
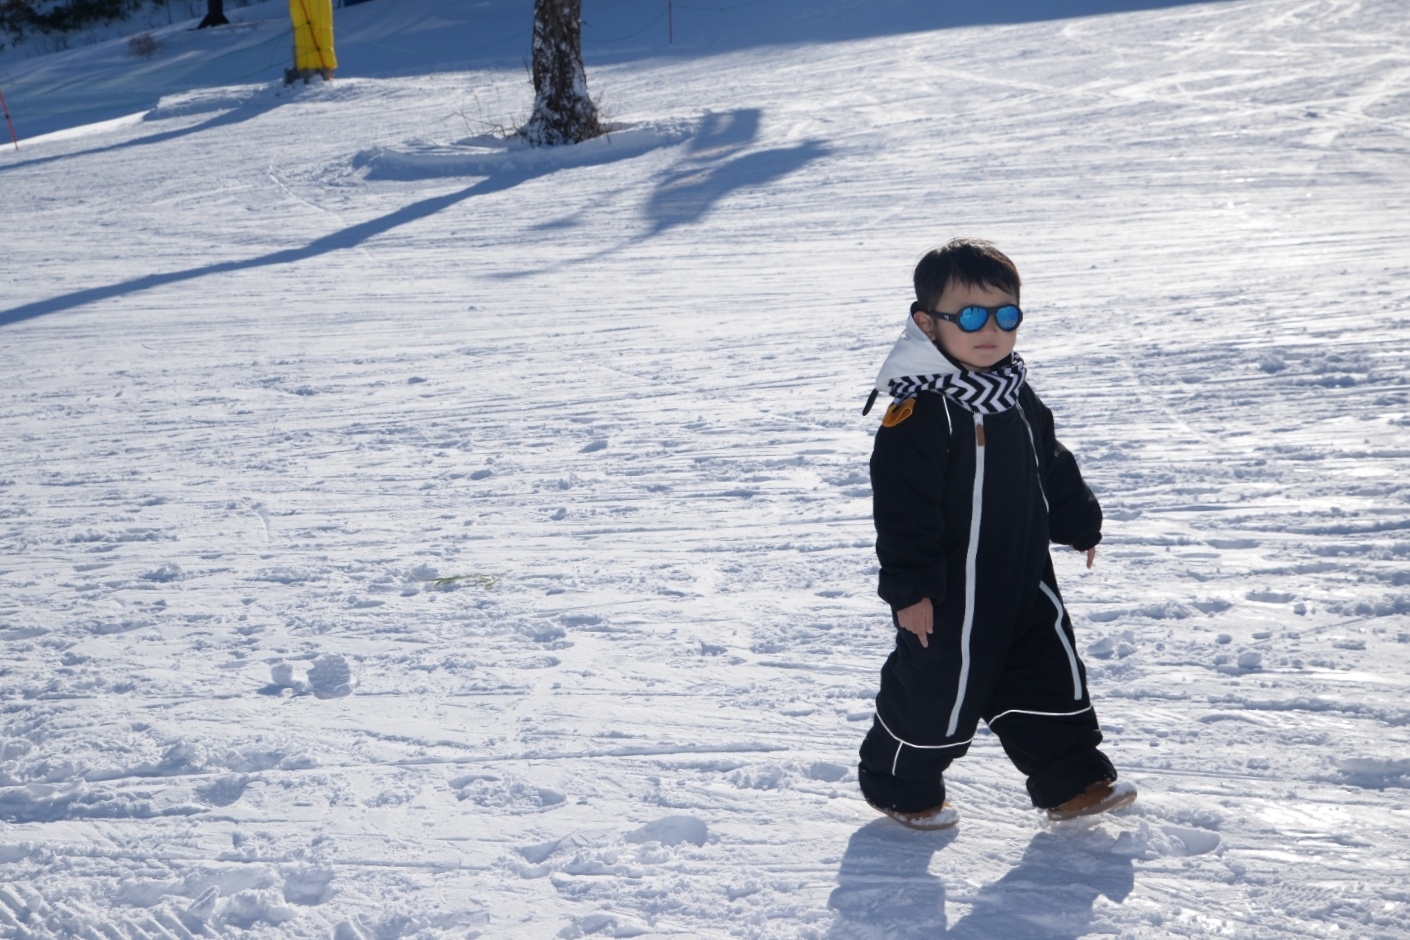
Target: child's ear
<point>926,324</point>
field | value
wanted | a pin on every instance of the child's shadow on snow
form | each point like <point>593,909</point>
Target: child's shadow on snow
<point>885,889</point>
<point>1050,893</point>
<point>884,885</point>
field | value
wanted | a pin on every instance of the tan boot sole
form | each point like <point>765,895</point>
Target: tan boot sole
<point>943,816</point>
<point>1101,797</point>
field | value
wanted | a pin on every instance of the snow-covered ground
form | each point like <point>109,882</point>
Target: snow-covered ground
<point>405,535</point>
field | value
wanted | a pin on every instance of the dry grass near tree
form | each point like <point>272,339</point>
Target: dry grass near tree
<point>143,46</point>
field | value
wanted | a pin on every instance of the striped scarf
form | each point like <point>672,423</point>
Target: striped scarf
<point>980,392</point>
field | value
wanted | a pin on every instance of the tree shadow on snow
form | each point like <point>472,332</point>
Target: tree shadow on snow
<point>350,237</point>
<point>716,163</point>
<point>885,889</point>
<point>237,115</point>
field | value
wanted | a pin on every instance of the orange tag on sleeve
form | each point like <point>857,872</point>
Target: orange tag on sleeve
<point>897,412</point>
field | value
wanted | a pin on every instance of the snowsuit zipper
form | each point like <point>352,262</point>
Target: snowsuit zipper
<point>970,570</point>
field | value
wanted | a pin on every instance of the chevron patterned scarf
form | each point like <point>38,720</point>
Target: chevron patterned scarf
<point>981,392</point>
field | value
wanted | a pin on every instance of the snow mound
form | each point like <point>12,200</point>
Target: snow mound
<point>672,830</point>
<point>489,155</point>
<point>1149,841</point>
<point>604,924</point>
<point>164,574</point>
<point>1373,766</point>
<point>246,909</point>
<point>308,887</point>
<point>506,793</point>
<point>46,802</point>
<point>206,100</point>
<point>331,676</point>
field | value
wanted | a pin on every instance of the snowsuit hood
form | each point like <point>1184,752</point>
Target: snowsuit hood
<point>913,355</point>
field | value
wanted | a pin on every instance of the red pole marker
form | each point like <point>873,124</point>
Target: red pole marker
<point>6,108</point>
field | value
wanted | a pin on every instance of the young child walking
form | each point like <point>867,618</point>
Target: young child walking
<point>970,486</point>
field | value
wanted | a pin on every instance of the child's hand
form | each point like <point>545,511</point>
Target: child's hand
<point>919,618</point>
<point>1091,556</point>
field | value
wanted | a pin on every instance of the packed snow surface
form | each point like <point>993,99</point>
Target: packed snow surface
<point>405,533</point>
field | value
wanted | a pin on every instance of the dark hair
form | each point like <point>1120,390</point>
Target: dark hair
<point>971,261</point>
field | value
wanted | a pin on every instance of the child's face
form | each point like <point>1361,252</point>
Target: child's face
<point>979,351</point>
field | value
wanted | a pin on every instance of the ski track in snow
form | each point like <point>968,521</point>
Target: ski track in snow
<point>427,555</point>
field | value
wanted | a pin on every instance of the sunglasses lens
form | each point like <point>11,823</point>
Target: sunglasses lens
<point>973,319</point>
<point>1008,317</point>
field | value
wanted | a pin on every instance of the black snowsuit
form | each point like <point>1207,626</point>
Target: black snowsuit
<point>965,506</point>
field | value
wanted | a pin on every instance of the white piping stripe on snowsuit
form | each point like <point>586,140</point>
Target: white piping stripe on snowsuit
<point>971,561</point>
<point>1022,711</point>
<point>902,742</point>
<point>1071,656</point>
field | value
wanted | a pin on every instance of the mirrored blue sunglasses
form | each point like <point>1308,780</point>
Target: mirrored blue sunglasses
<point>972,318</point>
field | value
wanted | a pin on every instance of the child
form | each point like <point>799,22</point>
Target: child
<point>969,486</point>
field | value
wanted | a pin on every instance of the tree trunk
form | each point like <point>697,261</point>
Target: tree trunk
<point>563,112</point>
<point>215,14</point>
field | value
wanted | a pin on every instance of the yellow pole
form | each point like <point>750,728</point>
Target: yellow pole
<point>313,35</point>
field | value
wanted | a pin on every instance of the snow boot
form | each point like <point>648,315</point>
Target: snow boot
<point>1101,797</point>
<point>943,816</point>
